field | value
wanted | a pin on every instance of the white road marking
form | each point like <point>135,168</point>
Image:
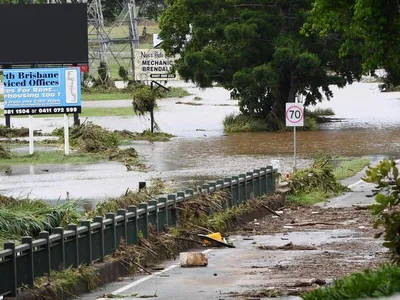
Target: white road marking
<point>139,281</point>
<point>355,184</point>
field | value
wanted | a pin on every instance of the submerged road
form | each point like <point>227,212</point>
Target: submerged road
<point>235,273</point>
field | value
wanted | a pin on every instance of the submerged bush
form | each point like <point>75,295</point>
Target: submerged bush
<point>243,123</point>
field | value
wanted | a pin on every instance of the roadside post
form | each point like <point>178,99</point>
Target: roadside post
<point>43,91</point>
<point>294,118</point>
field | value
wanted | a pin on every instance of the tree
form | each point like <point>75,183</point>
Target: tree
<point>144,101</point>
<point>370,26</point>
<point>256,50</point>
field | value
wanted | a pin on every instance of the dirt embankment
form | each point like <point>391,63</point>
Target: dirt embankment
<point>312,246</point>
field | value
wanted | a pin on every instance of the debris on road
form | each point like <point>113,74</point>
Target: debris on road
<point>193,259</point>
<point>310,282</point>
<point>289,246</point>
<point>213,241</point>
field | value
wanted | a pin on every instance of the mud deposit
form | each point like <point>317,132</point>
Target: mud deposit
<point>305,248</point>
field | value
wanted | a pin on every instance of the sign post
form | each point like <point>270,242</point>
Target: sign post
<point>294,118</point>
<point>31,135</point>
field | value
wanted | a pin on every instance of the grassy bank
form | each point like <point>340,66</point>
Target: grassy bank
<point>92,112</point>
<point>346,167</point>
<point>383,282</point>
<point>123,94</point>
<point>49,158</point>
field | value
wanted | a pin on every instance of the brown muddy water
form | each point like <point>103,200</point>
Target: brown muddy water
<point>201,151</point>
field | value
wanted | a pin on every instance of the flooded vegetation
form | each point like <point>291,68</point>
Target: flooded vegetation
<point>201,151</point>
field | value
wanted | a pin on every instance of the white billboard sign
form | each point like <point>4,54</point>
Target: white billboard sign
<point>153,64</point>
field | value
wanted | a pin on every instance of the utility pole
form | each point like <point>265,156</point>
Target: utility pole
<point>133,32</point>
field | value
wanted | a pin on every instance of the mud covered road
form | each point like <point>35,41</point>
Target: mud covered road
<point>284,256</point>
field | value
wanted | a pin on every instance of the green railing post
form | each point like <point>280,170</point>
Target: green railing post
<point>100,220</point>
<point>173,217</point>
<point>205,187</point>
<point>250,186</point>
<point>257,181</point>
<point>243,189</point>
<point>113,231</point>
<point>189,192</point>
<point>221,183</point>
<point>74,228</point>
<point>122,212</point>
<point>145,221</point>
<point>30,271</point>
<point>12,275</point>
<point>163,214</point>
<point>87,243</point>
<point>45,235</point>
<point>153,217</point>
<point>60,231</point>
<point>270,184</point>
<point>236,188</point>
<point>133,232</point>
<point>212,186</point>
<point>230,191</point>
<point>263,182</point>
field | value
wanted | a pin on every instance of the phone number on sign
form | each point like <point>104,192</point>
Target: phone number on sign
<point>42,111</point>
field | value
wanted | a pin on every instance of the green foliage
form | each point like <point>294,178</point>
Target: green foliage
<point>90,138</point>
<point>379,283</point>
<point>243,123</point>
<point>147,135</point>
<point>310,198</point>
<point>156,188</point>
<point>123,73</point>
<point>4,153</point>
<point>104,75</point>
<point>255,50</point>
<point>16,132</point>
<point>144,100</point>
<point>386,209</point>
<point>65,282</point>
<point>368,29</point>
<point>247,123</point>
<point>318,177</point>
<point>26,217</point>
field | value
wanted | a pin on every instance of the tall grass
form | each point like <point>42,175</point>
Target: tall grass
<point>243,123</point>
<point>379,283</point>
<point>27,217</point>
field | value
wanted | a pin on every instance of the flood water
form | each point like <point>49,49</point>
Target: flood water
<point>201,151</point>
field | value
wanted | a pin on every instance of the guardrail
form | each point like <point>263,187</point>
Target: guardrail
<point>92,240</point>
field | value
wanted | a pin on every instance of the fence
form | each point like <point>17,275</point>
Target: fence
<point>91,241</point>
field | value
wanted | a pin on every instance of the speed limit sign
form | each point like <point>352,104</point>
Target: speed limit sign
<point>294,114</point>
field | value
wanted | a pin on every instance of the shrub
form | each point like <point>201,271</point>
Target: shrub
<point>386,209</point>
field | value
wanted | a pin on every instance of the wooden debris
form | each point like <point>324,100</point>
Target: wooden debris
<point>271,210</point>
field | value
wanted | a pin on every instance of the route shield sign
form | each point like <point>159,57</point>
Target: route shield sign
<point>42,91</point>
<point>294,114</point>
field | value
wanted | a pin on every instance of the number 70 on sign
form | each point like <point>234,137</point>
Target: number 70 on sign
<point>294,114</point>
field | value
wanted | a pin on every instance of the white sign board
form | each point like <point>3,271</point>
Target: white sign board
<point>294,114</point>
<point>153,64</point>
